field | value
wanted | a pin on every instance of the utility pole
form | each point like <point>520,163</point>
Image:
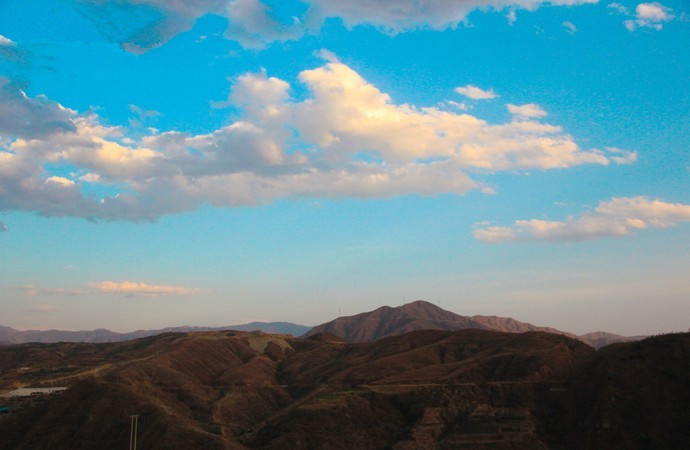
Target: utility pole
<point>133,432</point>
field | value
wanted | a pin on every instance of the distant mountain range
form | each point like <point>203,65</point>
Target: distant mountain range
<point>12,336</point>
<point>420,315</point>
<point>365,327</point>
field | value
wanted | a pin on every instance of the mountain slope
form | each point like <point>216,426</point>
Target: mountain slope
<point>386,321</point>
<point>238,390</point>
<point>426,389</point>
<point>420,315</point>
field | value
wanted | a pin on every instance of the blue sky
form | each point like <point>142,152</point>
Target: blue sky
<point>222,161</point>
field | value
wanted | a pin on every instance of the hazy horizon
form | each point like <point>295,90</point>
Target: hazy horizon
<point>222,162</point>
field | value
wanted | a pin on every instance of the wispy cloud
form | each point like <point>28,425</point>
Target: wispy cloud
<point>530,110</point>
<point>622,157</point>
<point>647,15</point>
<point>141,116</point>
<point>617,7</point>
<point>137,288</point>
<point>31,290</point>
<point>570,27</point>
<point>475,93</point>
<point>127,288</point>
<point>616,217</point>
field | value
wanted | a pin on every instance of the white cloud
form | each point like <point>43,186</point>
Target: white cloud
<point>475,93</point>
<point>570,27</point>
<point>6,42</point>
<point>90,177</point>
<point>21,116</point>
<point>530,110</point>
<point>136,288</point>
<point>649,15</point>
<point>654,12</point>
<point>345,139</point>
<point>60,181</point>
<point>616,217</point>
<point>511,16</point>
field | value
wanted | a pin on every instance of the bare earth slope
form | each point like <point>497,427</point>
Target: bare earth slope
<point>426,389</point>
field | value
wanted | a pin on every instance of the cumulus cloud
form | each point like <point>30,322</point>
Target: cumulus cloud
<point>28,118</point>
<point>649,15</point>
<point>530,110</point>
<point>140,25</point>
<point>475,93</point>
<point>135,288</point>
<point>347,138</point>
<point>616,217</point>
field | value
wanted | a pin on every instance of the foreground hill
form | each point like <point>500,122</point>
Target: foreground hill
<point>420,315</point>
<point>426,389</point>
<point>12,336</point>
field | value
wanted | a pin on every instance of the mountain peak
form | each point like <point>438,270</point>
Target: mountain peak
<point>388,321</point>
<point>392,321</point>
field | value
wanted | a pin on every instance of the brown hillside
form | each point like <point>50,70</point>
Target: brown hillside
<point>425,389</point>
<point>634,395</point>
